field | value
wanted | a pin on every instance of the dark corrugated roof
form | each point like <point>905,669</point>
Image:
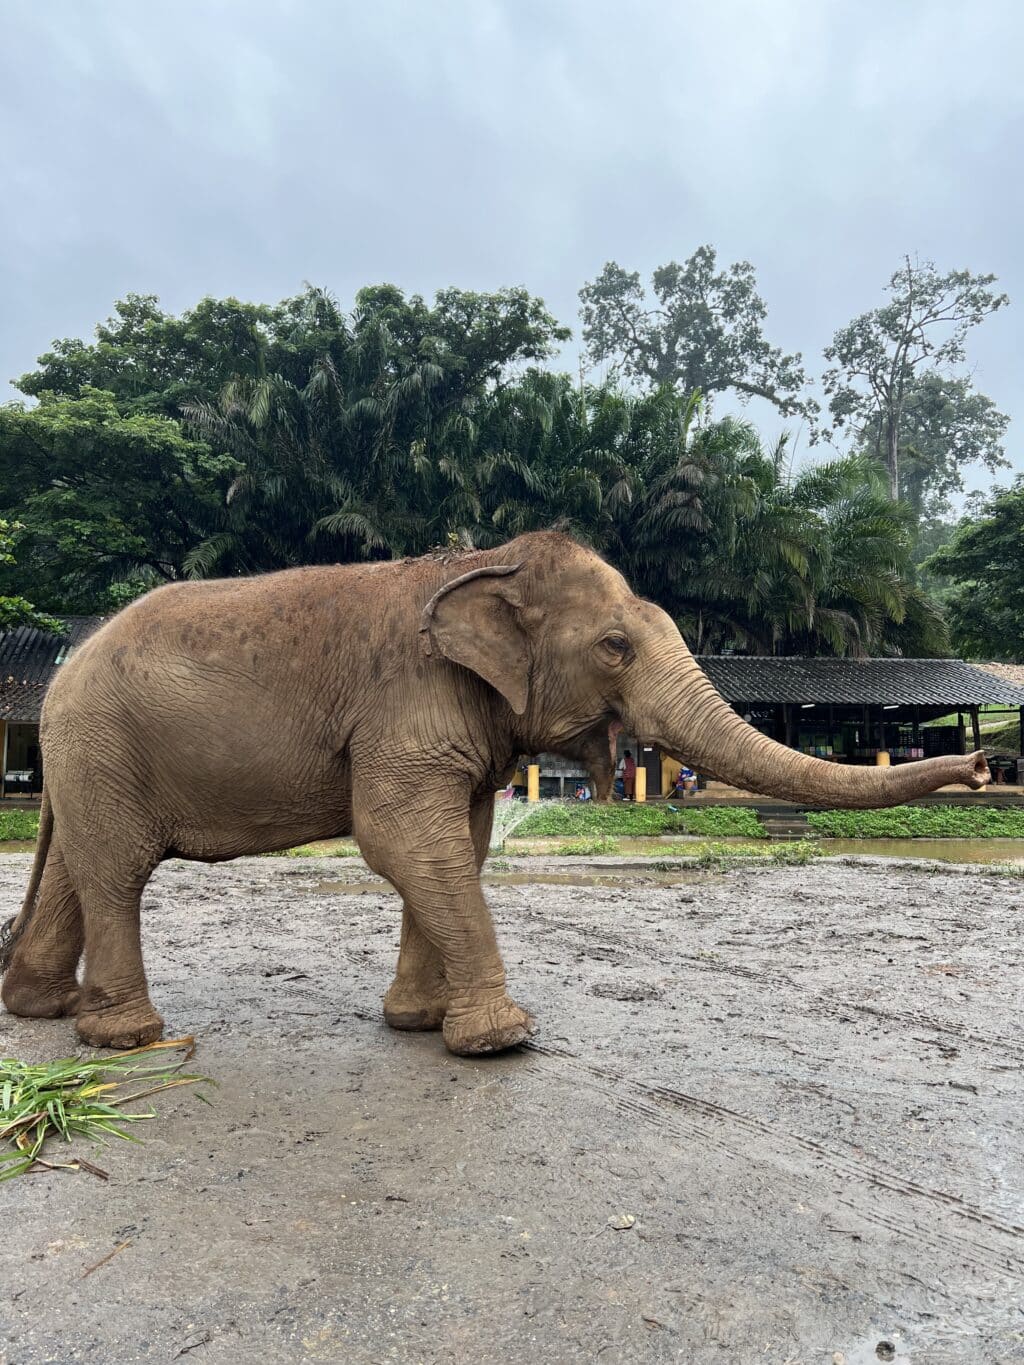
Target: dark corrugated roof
<point>858,682</point>
<point>28,660</point>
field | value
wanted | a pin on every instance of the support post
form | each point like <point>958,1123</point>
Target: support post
<point>961,734</point>
<point>640,789</point>
<point>533,782</point>
<point>975,728</point>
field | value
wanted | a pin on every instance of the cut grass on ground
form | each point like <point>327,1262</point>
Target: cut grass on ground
<point>625,819</point>
<point>919,822</point>
<point>79,1098</point>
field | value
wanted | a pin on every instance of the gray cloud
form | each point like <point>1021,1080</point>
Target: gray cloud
<point>241,148</point>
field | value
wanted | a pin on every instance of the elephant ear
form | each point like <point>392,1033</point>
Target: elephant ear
<point>474,621</point>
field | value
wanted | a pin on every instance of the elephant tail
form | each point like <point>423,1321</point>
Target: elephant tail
<point>15,927</point>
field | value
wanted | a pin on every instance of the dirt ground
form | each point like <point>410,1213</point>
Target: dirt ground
<point>772,1115</point>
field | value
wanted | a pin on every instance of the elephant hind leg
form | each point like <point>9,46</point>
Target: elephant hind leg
<point>40,982</point>
<point>417,999</point>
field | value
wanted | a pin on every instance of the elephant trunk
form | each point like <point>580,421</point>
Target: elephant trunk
<point>696,723</point>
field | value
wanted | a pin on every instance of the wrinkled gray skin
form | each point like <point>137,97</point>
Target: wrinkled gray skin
<point>209,720</point>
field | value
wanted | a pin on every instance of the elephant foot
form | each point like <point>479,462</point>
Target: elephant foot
<point>492,1027</point>
<point>35,996</point>
<point>120,1026</point>
<point>414,1010</point>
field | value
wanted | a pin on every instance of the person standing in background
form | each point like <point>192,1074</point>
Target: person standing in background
<point>628,776</point>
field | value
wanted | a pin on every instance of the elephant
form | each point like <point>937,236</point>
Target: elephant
<point>213,719</point>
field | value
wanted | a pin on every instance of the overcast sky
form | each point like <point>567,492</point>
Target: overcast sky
<point>245,146</point>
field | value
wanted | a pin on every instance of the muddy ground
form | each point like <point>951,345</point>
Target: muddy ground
<point>772,1116</point>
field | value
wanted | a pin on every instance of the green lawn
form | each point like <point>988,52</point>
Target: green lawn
<point>919,822</point>
<point>18,824</point>
<point>625,819</point>
<point>597,823</point>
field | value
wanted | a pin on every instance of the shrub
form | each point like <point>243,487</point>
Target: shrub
<point>919,822</point>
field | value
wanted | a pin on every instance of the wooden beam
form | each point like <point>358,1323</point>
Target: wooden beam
<point>975,728</point>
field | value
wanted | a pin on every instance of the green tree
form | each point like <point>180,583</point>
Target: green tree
<point>16,610</point>
<point>984,561</point>
<point>703,330</point>
<point>152,361</point>
<point>892,382</point>
<point>945,426</point>
<point>817,564</point>
<point>107,500</point>
<point>368,447</point>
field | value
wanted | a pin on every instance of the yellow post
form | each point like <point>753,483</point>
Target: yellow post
<point>640,790</point>
<point>882,758</point>
<point>533,782</point>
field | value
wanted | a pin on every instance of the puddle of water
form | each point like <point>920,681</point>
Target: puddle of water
<point>942,850</point>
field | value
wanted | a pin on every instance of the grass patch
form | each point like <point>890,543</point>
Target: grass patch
<point>18,824</point>
<point>592,847</point>
<point>1002,739</point>
<point>791,853</point>
<point>77,1098</point>
<point>919,822</point>
<point>317,851</point>
<point>626,819</point>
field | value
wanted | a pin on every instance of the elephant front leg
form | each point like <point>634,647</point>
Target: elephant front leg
<point>432,862</point>
<point>418,996</point>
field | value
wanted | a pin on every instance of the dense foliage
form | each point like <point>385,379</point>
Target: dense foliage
<point>240,438</point>
<point>984,561</point>
<point>17,610</point>
<point>18,825</point>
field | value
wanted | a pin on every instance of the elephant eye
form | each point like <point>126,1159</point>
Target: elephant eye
<point>618,644</point>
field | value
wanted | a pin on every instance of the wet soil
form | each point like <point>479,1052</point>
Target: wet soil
<point>773,1114</point>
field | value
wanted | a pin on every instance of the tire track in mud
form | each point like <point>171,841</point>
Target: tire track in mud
<point>807,1001</point>
<point>839,1008</point>
<point>681,1116</point>
<point>736,1136</point>
<point>648,1103</point>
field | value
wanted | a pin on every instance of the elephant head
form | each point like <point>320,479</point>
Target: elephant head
<point>573,651</point>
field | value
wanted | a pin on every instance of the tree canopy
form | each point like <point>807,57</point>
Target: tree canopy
<point>240,438</point>
<point>893,380</point>
<point>704,331</point>
<point>984,561</point>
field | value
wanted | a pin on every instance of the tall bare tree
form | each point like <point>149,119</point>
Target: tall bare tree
<point>880,359</point>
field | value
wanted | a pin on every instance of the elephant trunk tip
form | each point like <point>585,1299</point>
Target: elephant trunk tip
<point>976,773</point>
